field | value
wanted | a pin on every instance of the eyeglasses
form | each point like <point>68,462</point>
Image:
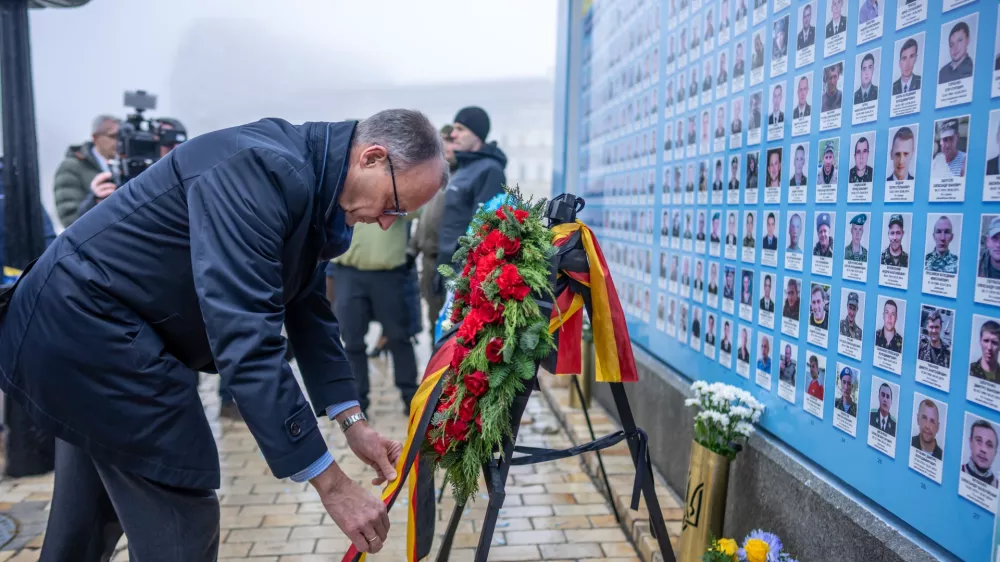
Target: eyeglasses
<point>393,212</point>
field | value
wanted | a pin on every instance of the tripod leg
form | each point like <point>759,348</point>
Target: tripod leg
<point>593,437</point>
<point>449,533</point>
<point>656,523</point>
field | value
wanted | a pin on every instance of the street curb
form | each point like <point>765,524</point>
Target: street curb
<point>618,464</point>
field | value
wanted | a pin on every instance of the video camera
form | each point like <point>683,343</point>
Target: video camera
<point>141,141</point>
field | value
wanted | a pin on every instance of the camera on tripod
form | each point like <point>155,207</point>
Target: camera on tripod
<point>143,141</point>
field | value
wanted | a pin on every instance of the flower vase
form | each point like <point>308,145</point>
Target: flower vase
<point>704,501</point>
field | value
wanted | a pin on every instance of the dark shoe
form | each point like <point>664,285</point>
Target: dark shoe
<point>380,349</point>
<point>229,411</point>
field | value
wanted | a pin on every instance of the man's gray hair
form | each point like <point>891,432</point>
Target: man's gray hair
<point>407,135</point>
<point>98,124</point>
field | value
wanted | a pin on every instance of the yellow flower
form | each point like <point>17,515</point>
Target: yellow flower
<point>756,550</point>
<point>727,547</point>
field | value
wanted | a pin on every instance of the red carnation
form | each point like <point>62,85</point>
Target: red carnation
<point>476,383</point>
<point>467,409</point>
<point>510,246</point>
<point>501,215</point>
<point>456,429</point>
<point>485,227</point>
<point>478,298</point>
<point>490,243</point>
<point>494,350</point>
<point>471,326</point>
<point>490,314</point>
<point>485,265</point>
<point>511,284</point>
<point>458,356</point>
<point>440,447</point>
<point>449,390</point>
<point>520,215</point>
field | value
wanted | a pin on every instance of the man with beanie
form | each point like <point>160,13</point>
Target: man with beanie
<point>424,243</point>
<point>478,178</point>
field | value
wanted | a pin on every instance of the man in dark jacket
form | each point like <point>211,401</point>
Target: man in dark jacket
<point>82,163</point>
<point>479,177</point>
<point>195,265</point>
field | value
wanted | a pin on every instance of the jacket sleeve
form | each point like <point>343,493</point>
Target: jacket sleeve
<point>490,187</point>
<point>238,222</point>
<point>315,336</point>
<point>69,192</point>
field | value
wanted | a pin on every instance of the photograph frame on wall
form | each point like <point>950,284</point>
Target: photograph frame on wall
<point>835,41</point>
<point>795,229</point>
<point>827,169</point>
<point>983,370</point>
<point>757,56</point>
<point>729,289</point>
<point>736,123</point>
<point>857,240</point>
<point>928,430</point>
<point>739,72</point>
<point>805,40</point>
<point>936,343</point>
<point>802,112</point>
<point>766,304</point>
<point>956,71</point>
<point>814,397</point>
<point>764,363</point>
<point>726,344</point>
<point>824,248</point>
<point>867,68</point>
<point>755,119</point>
<point>991,180</point>
<point>845,402</point>
<point>772,175</point>
<point>894,261</point>
<point>901,163</point>
<point>988,263</point>
<point>910,13</point>
<point>949,158</point>
<point>798,173</point>
<point>791,307</point>
<point>995,82</point>
<point>976,483</point>
<point>907,75</point>
<point>871,16</point>
<point>861,176</point>
<point>779,45</point>
<point>942,254</point>
<point>850,340</point>
<point>743,351</point>
<point>890,336</point>
<point>733,185</point>
<point>776,111</point>
<point>832,96</point>
<point>883,416</point>
<point>818,332</point>
<point>787,369</point>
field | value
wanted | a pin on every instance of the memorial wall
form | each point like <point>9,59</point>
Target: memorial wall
<point>802,198</point>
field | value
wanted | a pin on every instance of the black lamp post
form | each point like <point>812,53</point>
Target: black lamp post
<point>29,451</point>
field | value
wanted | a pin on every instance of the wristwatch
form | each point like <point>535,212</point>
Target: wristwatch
<point>352,419</point>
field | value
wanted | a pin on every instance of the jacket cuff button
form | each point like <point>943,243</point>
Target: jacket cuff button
<point>295,429</point>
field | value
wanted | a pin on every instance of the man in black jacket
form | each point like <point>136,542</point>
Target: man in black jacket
<point>479,177</point>
<point>195,265</point>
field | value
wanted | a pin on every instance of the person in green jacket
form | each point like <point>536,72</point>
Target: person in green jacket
<point>82,163</point>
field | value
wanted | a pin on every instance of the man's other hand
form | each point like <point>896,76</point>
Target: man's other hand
<point>102,186</point>
<point>360,515</point>
<point>375,451</point>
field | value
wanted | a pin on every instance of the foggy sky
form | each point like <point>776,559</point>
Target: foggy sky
<point>253,57</point>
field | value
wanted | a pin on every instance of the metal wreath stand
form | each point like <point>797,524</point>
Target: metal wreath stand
<point>571,257</point>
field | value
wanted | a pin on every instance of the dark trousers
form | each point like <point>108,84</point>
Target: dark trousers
<point>93,503</point>
<point>434,300</point>
<point>364,296</point>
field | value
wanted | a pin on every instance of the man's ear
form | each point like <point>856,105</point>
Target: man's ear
<point>372,155</point>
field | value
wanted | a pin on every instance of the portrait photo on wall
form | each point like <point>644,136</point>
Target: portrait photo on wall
<point>991,183</point>
<point>726,344</point>
<point>949,156</point>
<point>661,309</point>
<point>719,136</point>
<point>733,185</point>
<point>907,75</point>
<point>901,163</point>
<point>749,242</point>
<point>856,246</point>
<point>752,177</point>
<point>928,430</point>
<point>732,235</point>
<point>812,400</point>
<point>715,235</point>
<point>795,223</point>
<point>770,241</point>
<point>757,57</point>
<point>763,370</point>
<point>956,61</point>
<point>729,289</point>
<point>988,262</point>
<point>852,314</point>
<point>776,112</point>
<point>772,179</point>
<point>995,90</point>
<point>832,98</point>
<point>710,329</point>
<point>713,284</point>
<point>818,332</point>
<point>798,173</point>
<point>746,295</point>
<point>984,367</point>
<point>755,118</point>
<point>788,353</point>
<point>942,248</point>
<point>827,170</point>
<point>894,262</point>
<point>883,416</point>
<point>891,320</point>
<point>791,307</point>
<point>743,352</point>
<point>823,249</point>
<point>779,45</point>
<point>861,177</point>
<point>802,110</point>
<point>696,328</point>
<point>805,39</point>
<point>765,302</point>
<point>978,480</point>
<point>866,81</point>
<point>739,72</point>
<point>870,18</point>
<point>836,27</point>
<point>937,330</point>
<point>672,317</point>
<point>845,401</point>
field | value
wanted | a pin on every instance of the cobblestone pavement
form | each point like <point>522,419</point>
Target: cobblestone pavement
<point>553,510</point>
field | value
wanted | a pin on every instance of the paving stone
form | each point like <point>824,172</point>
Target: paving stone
<point>579,550</point>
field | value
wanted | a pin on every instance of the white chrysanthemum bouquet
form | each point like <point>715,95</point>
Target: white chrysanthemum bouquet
<point>727,416</point>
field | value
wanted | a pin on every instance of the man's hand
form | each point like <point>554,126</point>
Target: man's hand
<point>375,451</point>
<point>101,185</point>
<point>360,515</point>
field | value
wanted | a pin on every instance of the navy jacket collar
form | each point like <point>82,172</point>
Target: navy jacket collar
<point>330,146</point>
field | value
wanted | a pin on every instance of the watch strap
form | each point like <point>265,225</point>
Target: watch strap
<point>352,419</point>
